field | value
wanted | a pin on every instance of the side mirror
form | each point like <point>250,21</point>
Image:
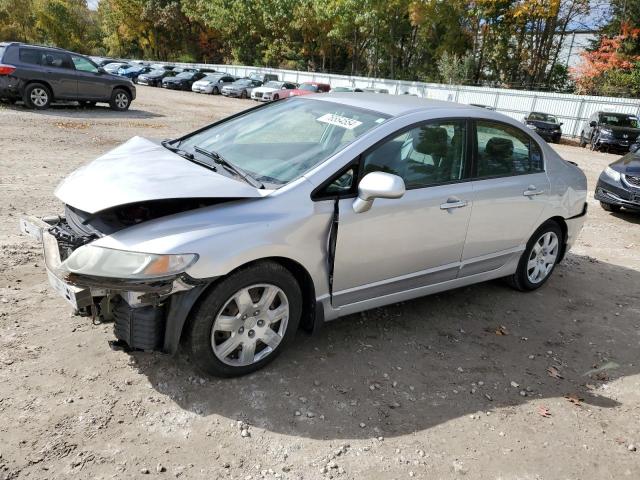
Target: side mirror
<point>101,70</point>
<point>593,124</point>
<point>377,185</point>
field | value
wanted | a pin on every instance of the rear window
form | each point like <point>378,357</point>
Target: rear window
<point>2,48</point>
<point>30,55</point>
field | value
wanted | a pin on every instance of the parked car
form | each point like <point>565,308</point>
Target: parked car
<point>307,88</point>
<point>545,125</point>
<point>634,147</point>
<point>213,83</point>
<point>134,71</point>
<point>228,241</point>
<point>182,81</point>
<point>480,105</point>
<point>240,88</point>
<point>184,69</point>
<point>40,75</point>
<point>375,90</point>
<point>619,184</point>
<point>611,131</point>
<point>114,67</point>
<point>102,61</point>
<point>345,89</point>
<point>160,66</point>
<point>263,77</point>
<point>273,90</point>
<point>154,77</point>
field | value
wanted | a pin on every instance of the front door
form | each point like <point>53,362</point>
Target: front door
<point>416,240</point>
<point>510,192</point>
<point>91,85</point>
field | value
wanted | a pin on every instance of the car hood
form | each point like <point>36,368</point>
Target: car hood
<point>629,164</point>
<point>141,170</point>
<point>265,89</point>
<point>174,80</point>
<point>544,125</point>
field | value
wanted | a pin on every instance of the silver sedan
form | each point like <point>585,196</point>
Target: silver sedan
<point>230,239</point>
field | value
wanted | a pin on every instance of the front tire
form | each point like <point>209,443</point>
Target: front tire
<point>610,207</point>
<point>37,96</point>
<point>245,321</point>
<point>215,91</point>
<point>539,258</point>
<point>120,100</point>
<point>243,95</point>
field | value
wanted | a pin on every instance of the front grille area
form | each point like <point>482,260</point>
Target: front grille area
<point>633,180</point>
<point>258,94</point>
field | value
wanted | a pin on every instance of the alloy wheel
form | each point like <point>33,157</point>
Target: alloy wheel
<point>39,97</point>
<point>121,100</point>
<point>250,325</point>
<point>543,257</point>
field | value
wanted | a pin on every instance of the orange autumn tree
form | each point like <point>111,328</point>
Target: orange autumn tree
<point>609,68</point>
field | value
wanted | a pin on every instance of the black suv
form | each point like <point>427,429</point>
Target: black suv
<point>611,131</point>
<point>545,125</point>
<point>39,75</point>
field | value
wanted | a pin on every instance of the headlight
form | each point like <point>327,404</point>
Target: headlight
<point>531,126</point>
<point>606,132</point>
<point>611,173</point>
<point>106,262</point>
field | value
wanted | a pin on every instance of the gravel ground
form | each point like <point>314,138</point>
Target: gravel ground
<point>481,382</point>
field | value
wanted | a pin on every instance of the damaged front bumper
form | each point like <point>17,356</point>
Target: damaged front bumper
<point>147,315</point>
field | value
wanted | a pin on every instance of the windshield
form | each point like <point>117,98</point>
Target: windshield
<point>212,78</point>
<point>185,75</point>
<point>280,142</point>
<point>309,87</point>
<point>342,89</point>
<point>273,84</point>
<point>242,82</point>
<point>619,120</point>
<point>542,117</point>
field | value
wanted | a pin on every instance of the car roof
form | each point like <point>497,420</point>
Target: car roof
<point>397,105</point>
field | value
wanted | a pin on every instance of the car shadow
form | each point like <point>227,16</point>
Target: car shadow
<point>628,216</point>
<point>414,365</point>
<point>100,111</point>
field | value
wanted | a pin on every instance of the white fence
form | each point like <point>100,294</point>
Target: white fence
<point>572,110</point>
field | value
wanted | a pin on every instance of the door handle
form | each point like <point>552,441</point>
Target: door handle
<point>453,204</point>
<point>531,191</point>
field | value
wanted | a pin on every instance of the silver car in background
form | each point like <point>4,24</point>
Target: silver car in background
<point>241,88</point>
<point>213,83</point>
<point>230,239</point>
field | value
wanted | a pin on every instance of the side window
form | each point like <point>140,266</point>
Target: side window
<point>504,150</point>
<point>430,154</point>
<point>56,60</point>
<point>30,56</point>
<point>83,65</point>
<point>343,183</point>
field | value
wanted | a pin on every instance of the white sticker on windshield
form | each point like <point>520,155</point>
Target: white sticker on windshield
<point>339,121</point>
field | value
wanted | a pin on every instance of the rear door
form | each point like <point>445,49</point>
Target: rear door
<point>91,84</point>
<point>60,73</point>
<point>510,193</point>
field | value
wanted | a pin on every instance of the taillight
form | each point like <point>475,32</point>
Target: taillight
<point>6,69</point>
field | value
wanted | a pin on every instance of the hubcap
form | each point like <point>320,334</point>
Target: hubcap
<point>39,97</point>
<point>543,257</point>
<point>122,100</point>
<point>250,325</point>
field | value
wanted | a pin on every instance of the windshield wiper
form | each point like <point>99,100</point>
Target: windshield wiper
<point>179,151</point>
<point>217,158</point>
<point>189,156</point>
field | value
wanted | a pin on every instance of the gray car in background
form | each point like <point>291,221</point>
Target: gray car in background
<point>231,238</point>
<point>241,88</point>
<point>39,75</point>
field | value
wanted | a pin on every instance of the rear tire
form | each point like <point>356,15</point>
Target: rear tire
<point>539,258</point>
<point>215,91</point>
<point>243,95</point>
<point>610,207</point>
<point>249,324</point>
<point>120,100</point>
<point>37,96</point>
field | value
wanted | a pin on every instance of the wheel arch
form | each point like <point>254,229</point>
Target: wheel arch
<point>126,88</point>
<point>182,304</point>
<point>561,222</point>
<point>42,82</point>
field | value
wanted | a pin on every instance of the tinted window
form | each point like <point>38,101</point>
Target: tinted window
<point>31,56</point>
<point>430,154</point>
<point>504,150</point>
<point>56,60</point>
<point>83,65</point>
<point>619,120</point>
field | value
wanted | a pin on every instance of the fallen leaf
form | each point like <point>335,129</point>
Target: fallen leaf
<point>620,441</point>
<point>574,398</point>
<point>502,330</point>
<point>544,411</point>
<point>602,376</point>
<point>554,372</point>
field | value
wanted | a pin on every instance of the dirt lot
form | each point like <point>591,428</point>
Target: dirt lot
<point>452,385</point>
